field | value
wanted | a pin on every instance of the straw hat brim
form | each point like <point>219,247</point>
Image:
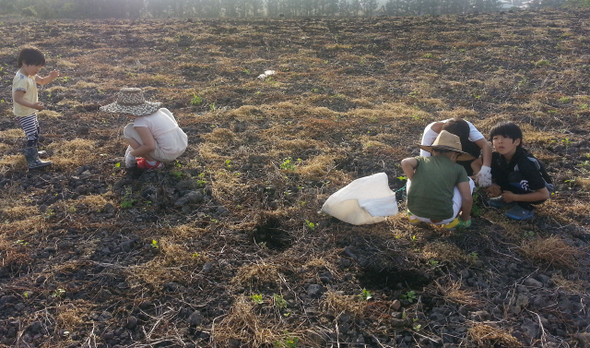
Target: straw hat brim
<point>464,156</point>
<point>147,108</point>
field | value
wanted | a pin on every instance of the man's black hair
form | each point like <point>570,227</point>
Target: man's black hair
<point>31,56</point>
<point>460,128</point>
<point>507,130</point>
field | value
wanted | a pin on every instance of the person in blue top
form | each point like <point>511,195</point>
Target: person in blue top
<point>519,179</point>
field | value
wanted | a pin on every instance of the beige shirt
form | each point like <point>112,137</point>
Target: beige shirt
<point>29,86</point>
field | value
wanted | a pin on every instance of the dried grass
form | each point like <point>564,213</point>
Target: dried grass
<point>257,275</point>
<point>338,303</point>
<point>552,251</point>
<point>487,336</point>
<point>452,292</point>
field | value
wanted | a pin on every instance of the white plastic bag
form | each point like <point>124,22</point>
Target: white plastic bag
<point>366,200</point>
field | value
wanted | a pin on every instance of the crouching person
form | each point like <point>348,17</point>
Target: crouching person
<point>519,179</point>
<point>154,137</point>
<point>432,181</point>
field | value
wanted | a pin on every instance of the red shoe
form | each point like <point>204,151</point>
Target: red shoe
<point>143,164</point>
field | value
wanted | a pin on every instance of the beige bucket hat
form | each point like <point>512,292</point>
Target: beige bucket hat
<point>450,142</point>
<point>131,101</point>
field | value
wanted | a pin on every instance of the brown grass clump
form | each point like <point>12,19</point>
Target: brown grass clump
<point>576,286</point>
<point>72,152</point>
<point>257,275</point>
<point>483,336</point>
<point>252,330</point>
<point>338,303</point>
<point>552,251</point>
<point>452,292</point>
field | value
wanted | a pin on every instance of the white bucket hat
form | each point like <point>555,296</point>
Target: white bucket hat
<point>131,101</point>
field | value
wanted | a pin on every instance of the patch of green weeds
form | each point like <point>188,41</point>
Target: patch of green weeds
<point>257,298</point>
<point>427,55</point>
<point>201,182</point>
<point>197,100</point>
<point>155,244</point>
<point>564,100</point>
<point>128,200</point>
<point>288,164</point>
<point>410,296</point>
<point>310,225</point>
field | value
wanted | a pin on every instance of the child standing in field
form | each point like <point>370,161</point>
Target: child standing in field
<point>154,135</point>
<point>26,100</point>
<point>432,181</point>
<point>520,180</point>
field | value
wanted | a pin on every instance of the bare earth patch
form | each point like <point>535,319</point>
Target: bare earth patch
<point>226,248</point>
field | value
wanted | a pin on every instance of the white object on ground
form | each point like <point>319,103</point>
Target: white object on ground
<point>366,200</point>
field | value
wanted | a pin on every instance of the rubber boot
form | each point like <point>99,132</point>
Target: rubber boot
<point>33,160</point>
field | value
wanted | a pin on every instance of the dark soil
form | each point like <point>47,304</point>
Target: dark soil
<point>226,248</point>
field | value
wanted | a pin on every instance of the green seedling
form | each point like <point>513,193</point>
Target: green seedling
<point>365,295</point>
<point>279,301</point>
<point>197,100</point>
<point>155,244</point>
<point>310,225</point>
<point>257,298</point>
<point>58,293</point>
<point>128,201</point>
<point>409,296</point>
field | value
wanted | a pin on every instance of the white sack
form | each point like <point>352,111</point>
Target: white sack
<point>366,200</point>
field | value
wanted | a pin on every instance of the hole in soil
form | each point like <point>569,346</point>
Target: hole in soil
<point>271,234</point>
<point>392,279</point>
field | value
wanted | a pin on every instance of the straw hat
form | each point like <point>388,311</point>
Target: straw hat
<point>450,142</point>
<point>131,101</point>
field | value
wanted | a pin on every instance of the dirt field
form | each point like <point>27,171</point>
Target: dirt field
<point>226,248</point>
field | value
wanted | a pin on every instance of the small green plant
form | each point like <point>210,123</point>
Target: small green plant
<point>427,55</point>
<point>197,100</point>
<point>402,178</point>
<point>365,295</point>
<point>564,100</point>
<point>288,342</point>
<point>58,293</point>
<point>212,107</point>
<point>128,201</point>
<point>257,298</point>
<point>155,244</point>
<point>433,262</point>
<point>410,296</point>
<point>583,106</point>
<point>201,180</point>
<point>21,242</point>
<point>310,225</point>
<point>228,163</point>
<point>288,164</point>
<point>279,301</point>
<point>541,63</point>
